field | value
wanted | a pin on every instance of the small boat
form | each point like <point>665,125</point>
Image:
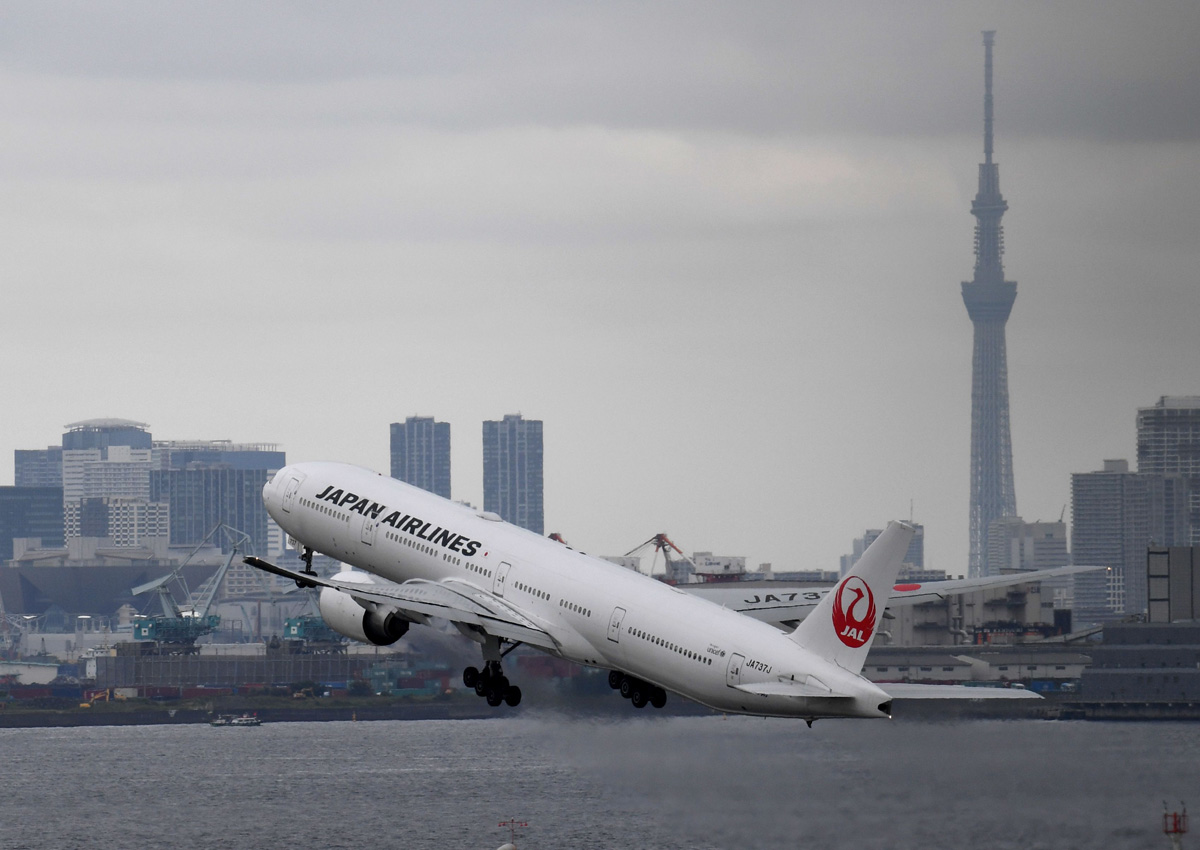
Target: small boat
<point>230,720</point>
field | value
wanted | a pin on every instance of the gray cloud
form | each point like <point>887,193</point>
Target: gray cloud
<point>716,247</point>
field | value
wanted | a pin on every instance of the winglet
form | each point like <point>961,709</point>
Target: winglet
<point>841,627</point>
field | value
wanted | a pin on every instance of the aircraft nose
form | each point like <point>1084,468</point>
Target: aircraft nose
<point>273,484</point>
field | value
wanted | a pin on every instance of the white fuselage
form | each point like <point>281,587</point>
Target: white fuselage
<point>598,614</point>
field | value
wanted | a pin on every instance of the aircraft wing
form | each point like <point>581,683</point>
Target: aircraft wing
<point>783,604</point>
<point>419,599</point>
<point>914,593</point>
<point>906,690</point>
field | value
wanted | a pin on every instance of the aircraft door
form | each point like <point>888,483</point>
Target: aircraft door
<point>368,531</point>
<point>614,625</point>
<point>289,494</point>
<point>733,675</point>
<point>501,578</point>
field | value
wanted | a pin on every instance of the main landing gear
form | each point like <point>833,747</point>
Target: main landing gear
<point>491,683</point>
<point>636,691</point>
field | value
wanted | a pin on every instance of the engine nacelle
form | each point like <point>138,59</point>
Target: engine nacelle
<point>346,617</point>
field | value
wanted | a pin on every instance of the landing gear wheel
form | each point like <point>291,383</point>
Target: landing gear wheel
<point>615,677</point>
<point>626,688</point>
<point>658,698</point>
<point>638,698</point>
<point>481,688</point>
<point>512,696</point>
<point>470,677</point>
<point>495,697</point>
<point>500,683</point>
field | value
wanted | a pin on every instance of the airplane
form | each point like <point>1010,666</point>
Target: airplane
<point>502,586</point>
<point>785,604</point>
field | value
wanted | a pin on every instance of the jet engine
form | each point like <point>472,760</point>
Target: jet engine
<point>345,616</point>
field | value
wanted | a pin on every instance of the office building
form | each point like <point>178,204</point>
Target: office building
<point>201,498</point>
<point>38,467</point>
<point>989,299</point>
<point>1018,546</point>
<point>512,471</point>
<point>420,449</point>
<point>30,512</point>
<point>103,459</point>
<point>1116,515</point>
<point>1168,443</point>
<point>196,454</point>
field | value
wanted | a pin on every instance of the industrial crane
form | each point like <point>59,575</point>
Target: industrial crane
<point>175,631</point>
<point>677,570</point>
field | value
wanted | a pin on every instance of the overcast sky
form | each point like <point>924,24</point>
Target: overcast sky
<point>716,248</point>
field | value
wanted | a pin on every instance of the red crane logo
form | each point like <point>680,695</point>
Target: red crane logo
<point>853,595</point>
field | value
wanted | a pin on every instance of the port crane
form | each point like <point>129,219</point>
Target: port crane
<point>175,631</point>
<point>677,569</point>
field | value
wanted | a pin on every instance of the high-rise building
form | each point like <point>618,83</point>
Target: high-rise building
<point>421,454</point>
<point>196,454</point>
<point>1015,545</point>
<point>1115,516</point>
<point>207,482</point>
<point>105,459</point>
<point>30,512</point>
<point>989,299</point>
<point>512,471</point>
<point>1168,443</point>
<point>202,497</point>
<point>38,467</point>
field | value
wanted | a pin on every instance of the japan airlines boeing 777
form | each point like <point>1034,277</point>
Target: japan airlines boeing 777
<point>503,586</point>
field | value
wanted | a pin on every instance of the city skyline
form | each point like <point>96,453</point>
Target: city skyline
<point>721,261</point>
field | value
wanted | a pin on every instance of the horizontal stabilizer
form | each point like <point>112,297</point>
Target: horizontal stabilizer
<point>907,690</point>
<point>789,688</point>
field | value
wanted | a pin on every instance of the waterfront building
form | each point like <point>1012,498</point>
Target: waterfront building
<point>420,450</point>
<point>989,299</point>
<point>38,467</point>
<point>30,512</point>
<point>512,471</point>
<point>1168,443</point>
<point>1173,583</point>
<point>1115,515</point>
<point>1145,663</point>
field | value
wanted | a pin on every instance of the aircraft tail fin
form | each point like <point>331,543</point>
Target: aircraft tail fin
<point>842,625</point>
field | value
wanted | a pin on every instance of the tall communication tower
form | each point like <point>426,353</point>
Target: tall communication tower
<point>989,299</point>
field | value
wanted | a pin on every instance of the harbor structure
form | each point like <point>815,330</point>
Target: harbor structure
<point>420,454</point>
<point>989,299</point>
<point>512,471</point>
